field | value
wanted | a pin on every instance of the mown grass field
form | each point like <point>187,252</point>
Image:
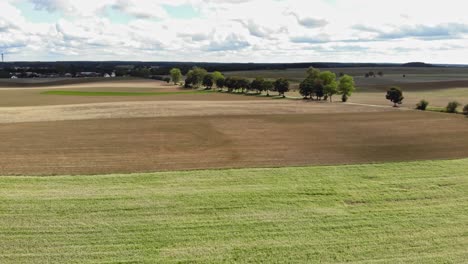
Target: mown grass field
<point>414,212</point>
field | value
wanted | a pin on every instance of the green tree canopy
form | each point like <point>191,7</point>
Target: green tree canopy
<point>452,107</point>
<point>220,83</point>
<point>319,89</point>
<point>313,73</point>
<point>330,86</point>
<point>395,95</point>
<point>243,84</point>
<point>235,83</point>
<point>195,76</point>
<point>465,110</point>
<point>257,84</point>
<point>176,75</point>
<point>217,75</point>
<point>306,87</point>
<point>208,81</point>
<point>346,87</point>
<point>281,86</point>
<point>267,86</point>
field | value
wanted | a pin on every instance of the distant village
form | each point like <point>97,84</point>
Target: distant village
<point>32,74</point>
<point>21,72</point>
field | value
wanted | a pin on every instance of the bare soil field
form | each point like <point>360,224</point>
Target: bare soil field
<point>198,142</point>
<point>176,108</point>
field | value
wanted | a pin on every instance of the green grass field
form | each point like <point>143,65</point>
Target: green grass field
<point>86,93</point>
<point>414,212</point>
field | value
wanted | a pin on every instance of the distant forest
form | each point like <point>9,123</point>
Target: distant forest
<point>147,69</point>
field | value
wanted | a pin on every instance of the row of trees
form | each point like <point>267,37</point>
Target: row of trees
<point>317,85</point>
<point>259,85</point>
<point>323,85</point>
<point>197,77</point>
<point>373,74</point>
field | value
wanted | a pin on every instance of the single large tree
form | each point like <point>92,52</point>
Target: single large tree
<point>195,76</point>
<point>319,89</point>
<point>267,86</point>
<point>257,85</point>
<point>306,87</point>
<point>189,80</point>
<point>217,76</point>
<point>330,90</point>
<point>243,84</point>
<point>465,110</point>
<point>229,82</point>
<point>281,86</point>
<point>220,83</point>
<point>176,75</point>
<point>313,73</point>
<point>330,86</point>
<point>346,87</point>
<point>208,81</point>
<point>395,95</point>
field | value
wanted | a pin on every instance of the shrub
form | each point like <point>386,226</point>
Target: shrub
<point>465,110</point>
<point>422,105</point>
<point>452,107</point>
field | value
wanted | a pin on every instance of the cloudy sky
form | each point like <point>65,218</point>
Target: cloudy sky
<point>235,30</point>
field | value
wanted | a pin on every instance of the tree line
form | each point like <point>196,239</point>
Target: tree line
<point>198,77</point>
<point>316,86</point>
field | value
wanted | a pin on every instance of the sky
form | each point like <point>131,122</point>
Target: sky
<point>399,31</point>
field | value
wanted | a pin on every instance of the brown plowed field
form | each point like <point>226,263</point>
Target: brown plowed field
<point>128,145</point>
<point>177,108</point>
<point>62,134</point>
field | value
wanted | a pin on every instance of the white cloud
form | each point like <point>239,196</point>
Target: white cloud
<point>140,9</point>
<point>239,30</point>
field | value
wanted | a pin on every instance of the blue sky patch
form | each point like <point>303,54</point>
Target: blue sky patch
<point>118,17</point>
<point>181,11</point>
<point>37,16</point>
